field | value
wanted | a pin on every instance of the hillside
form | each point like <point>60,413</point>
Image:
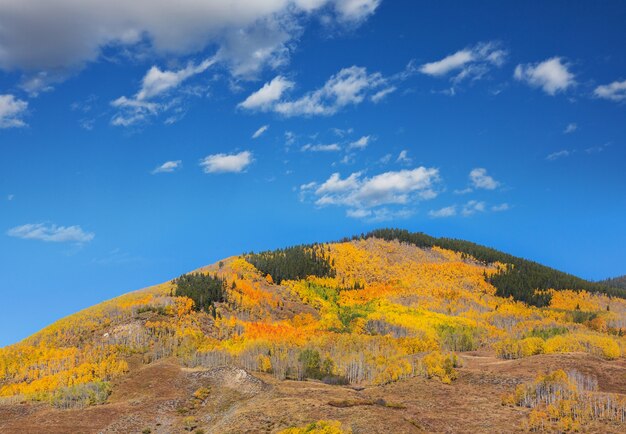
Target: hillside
<point>386,332</point>
<point>617,282</point>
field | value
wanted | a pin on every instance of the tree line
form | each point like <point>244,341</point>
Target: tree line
<point>292,263</point>
<point>203,289</point>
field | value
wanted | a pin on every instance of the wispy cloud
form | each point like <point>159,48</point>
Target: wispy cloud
<point>350,86</point>
<point>598,148</point>
<point>615,91</point>
<point>472,207</point>
<point>551,75</point>
<point>403,157</point>
<point>154,85</point>
<point>501,207</point>
<point>227,163</point>
<point>448,211</point>
<point>570,128</point>
<point>12,111</point>
<point>258,133</point>
<point>333,147</point>
<point>380,214</point>
<point>558,154</point>
<point>51,233</point>
<point>168,167</point>
<point>470,63</point>
<point>382,94</point>
<point>360,143</point>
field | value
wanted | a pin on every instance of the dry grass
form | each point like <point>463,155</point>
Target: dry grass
<point>152,397</point>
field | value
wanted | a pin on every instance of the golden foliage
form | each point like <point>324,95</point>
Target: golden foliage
<point>392,311</point>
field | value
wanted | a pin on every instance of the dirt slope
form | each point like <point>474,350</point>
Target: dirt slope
<point>160,397</point>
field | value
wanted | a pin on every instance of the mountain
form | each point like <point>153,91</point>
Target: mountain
<point>616,282</point>
<point>389,331</point>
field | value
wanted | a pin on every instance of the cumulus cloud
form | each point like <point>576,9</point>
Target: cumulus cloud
<point>479,179</point>
<point>264,98</point>
<point>615,91</point>
<point>12,111</point>
<point>358,192</point>
<point>258,133</point>
<point>335,184</point>
<point>248,33</point>
<point>551,75</point>
<point>469,63</point>
<point>51,233</point>
<point>227,163</point>
<point>448,211</point>
<point>168,167</point>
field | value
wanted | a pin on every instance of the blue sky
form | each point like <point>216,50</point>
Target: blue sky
<point>138,142</point>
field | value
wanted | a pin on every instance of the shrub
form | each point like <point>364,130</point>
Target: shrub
<point>81,395</point>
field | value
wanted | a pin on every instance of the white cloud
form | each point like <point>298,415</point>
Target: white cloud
<point>248,34</point>
<point>464,190</point>
<point>354,10</point>
<point>552,75</point>
<point>12,111</point>
<point>403,157</point>
<point>447,211</point>
<point>342,132</point>
<point>361,143</point>
<point>558,154</point>
<point>258,133</point>
<point>333,147</point>
<point>380,214</point>
<point>358,213</point>
<point>10,197</point>
<point>501,207</point>
<point>598,148</point>
<point>51,233</point>
<point>473,62</point>
<point>335,184</point>
<point>382,94</point>
<point>264,98</point>
<point>389,188</point>
<point>615,91</point>
<point>168,167</point>
<point>349,86</point>
<point>570,128</point>
<point>227,163</point>
<point>156,83</point>
<point>479,179</point>
<point>472,207</point>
